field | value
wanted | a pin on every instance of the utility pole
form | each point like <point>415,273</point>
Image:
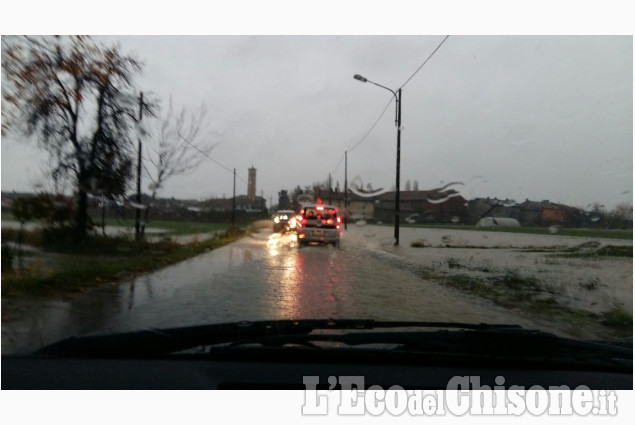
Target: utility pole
<point>234,201</point>
<point>345,190</point>
<point>329,189</point>
<point>398,122</point>
<point>137,225</point>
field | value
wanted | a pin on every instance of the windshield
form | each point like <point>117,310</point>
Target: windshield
<point>472,179</point>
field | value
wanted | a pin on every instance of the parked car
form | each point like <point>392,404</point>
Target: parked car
<point>413,218</point>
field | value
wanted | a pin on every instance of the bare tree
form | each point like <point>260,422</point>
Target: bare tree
<point>284,202</point>
<point>620,217</point>
<point>181,148</point>
<point>69,91</point>
<point>294,197</point>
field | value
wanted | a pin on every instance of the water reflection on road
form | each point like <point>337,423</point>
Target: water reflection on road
<point>301,283</point>
<point>253,279</point>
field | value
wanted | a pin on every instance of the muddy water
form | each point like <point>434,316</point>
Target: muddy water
<point>594,284</point>
<point>262,277</point>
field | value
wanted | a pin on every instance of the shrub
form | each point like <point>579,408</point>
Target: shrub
<point>8,258</point>
<point>233,231</point>
<point>55,210</point>
<point>617,318</point>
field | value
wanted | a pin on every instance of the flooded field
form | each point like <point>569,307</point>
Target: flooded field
<point>581,274</point>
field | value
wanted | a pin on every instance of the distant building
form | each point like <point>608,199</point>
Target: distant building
<point>251,184</point>
<point>528,213</point>
<point>243,203</point>
<point>548,213</point>
<point>358,207</point>
<point>9,197</point>
<point>430,205</point>
<point>479,208</point>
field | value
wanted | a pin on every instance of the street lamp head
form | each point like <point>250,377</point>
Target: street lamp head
<point>360,78</point>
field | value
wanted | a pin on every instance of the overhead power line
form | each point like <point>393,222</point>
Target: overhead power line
<point>211,159</point>
<point>391,99</point>
<point>363,138</point>
<point>338,164</point>
<point>424,62</point>
<point>372,127</point>
<point>387,105</point>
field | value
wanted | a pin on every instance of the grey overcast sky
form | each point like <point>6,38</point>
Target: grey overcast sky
<point>527,116</point>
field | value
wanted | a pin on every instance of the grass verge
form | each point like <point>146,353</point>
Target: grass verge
<point>513,290</point>
<point>101,260</point>
<point>182,227</point>
<point>170,227</point>
<point>618,318</point>
<point>587,233</point>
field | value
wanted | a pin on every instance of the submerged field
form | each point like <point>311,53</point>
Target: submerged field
<point>584,281</point>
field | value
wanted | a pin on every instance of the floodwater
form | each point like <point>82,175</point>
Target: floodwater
<point>595,284</point>
<point>261,277</point>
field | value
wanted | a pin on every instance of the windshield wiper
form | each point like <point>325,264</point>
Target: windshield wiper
<point>505,343</point>
<point>158,341</point>
<point>439,338</point>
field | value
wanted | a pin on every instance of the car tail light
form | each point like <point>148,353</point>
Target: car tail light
<point>301,236</point>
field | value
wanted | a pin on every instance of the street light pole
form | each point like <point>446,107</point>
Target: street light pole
<point>398,167</point>
<point>397,95</point>
<point>345,190</point>
<point>234,201</point>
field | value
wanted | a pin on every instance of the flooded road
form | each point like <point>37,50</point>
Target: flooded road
<point>261,277</point>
